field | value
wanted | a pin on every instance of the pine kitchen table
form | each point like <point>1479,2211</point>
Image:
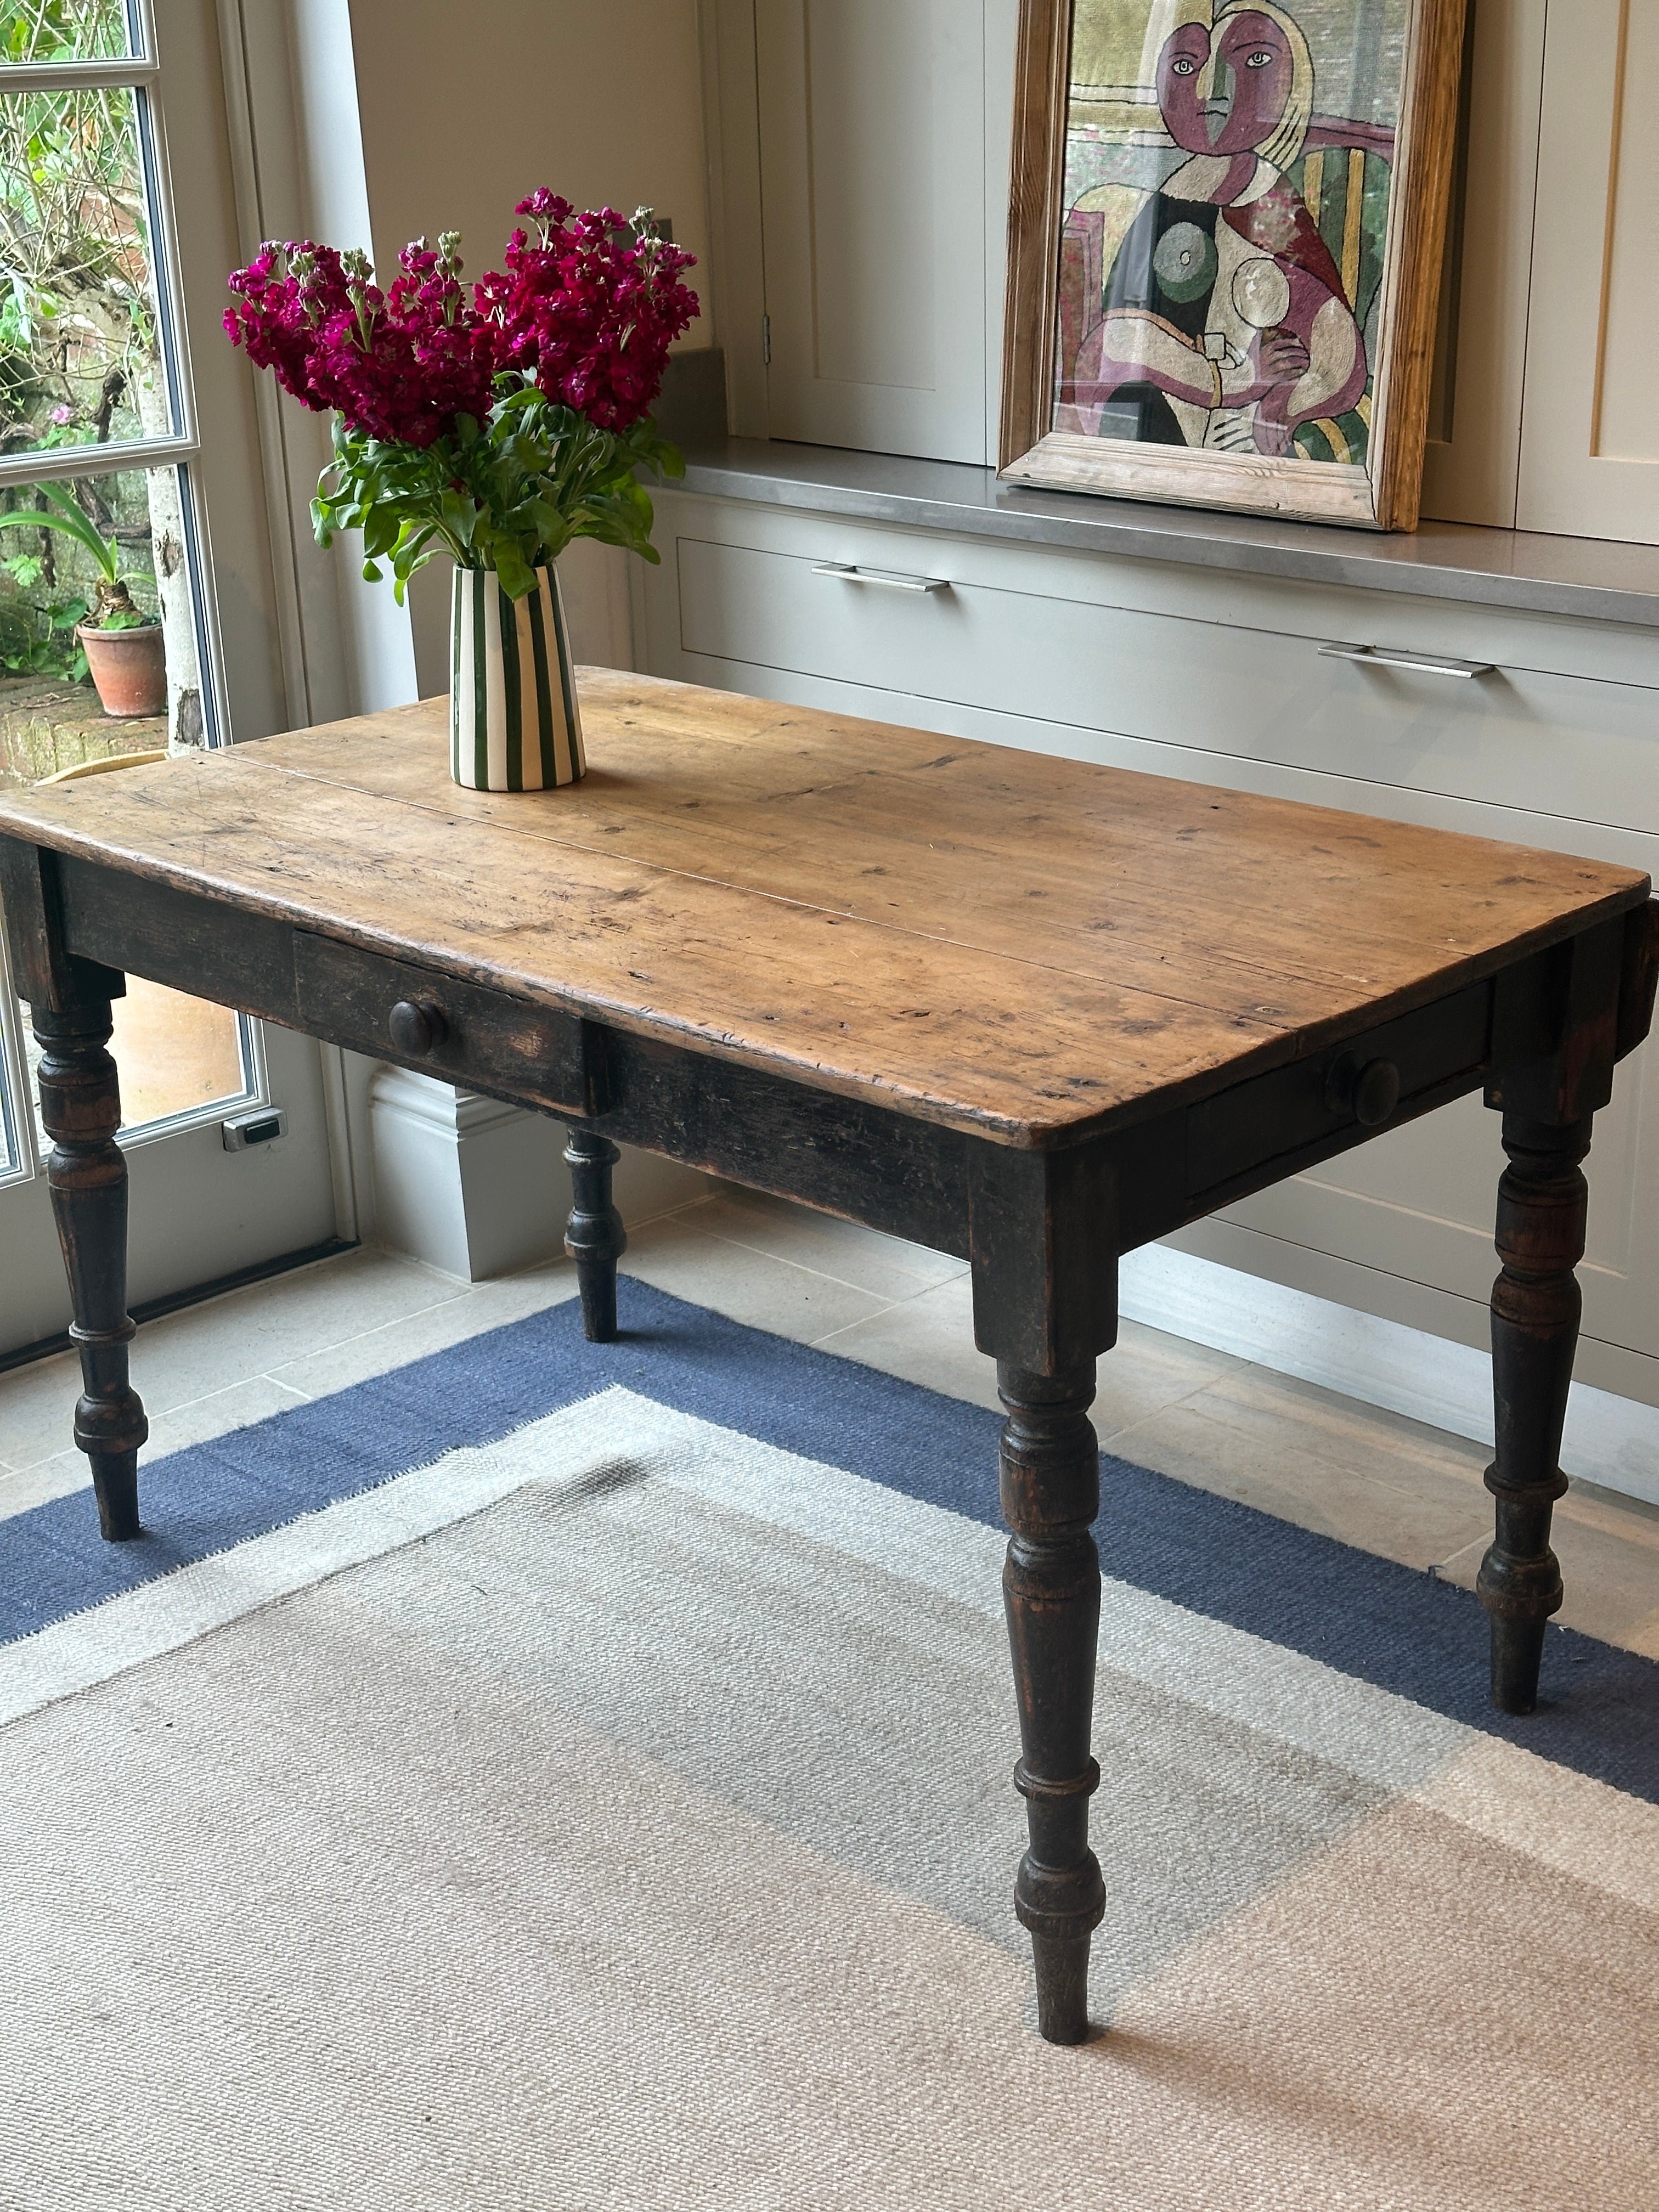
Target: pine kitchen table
<point>1028,1013</point>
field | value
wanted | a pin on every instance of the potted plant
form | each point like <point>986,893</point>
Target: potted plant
<point>495,423</point>
<point>125,648</point>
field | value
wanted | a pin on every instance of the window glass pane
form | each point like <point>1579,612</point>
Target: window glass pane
<point>74,687</point>
<point>64,30</point>
<point>7,1127</point>
<point>73,691</point>
<point>175,1056</point>
<point>80,338</point>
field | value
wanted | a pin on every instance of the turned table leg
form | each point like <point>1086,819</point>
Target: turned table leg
<point>595,1239</point>
<point>1536,1302</point>
<point>1051,1590</point>
<point>81,1107</point>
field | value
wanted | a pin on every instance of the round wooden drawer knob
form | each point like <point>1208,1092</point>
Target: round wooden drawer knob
<point>417,1027</point>
<point>1376,1093</point>
<point>1370,1093</point>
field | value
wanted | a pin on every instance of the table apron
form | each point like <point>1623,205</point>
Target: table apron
<point>1187,1163</point>
<point>846,1156</point>
<point>905,1175</point>
<point>536,1054</point>
<point>184,939</point>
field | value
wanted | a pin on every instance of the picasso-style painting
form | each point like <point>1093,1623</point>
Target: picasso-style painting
<point>1230,315</point>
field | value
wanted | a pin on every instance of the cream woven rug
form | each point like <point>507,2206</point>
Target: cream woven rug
<point>617,1814</point>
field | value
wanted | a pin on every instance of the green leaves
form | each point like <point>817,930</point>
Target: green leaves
<point>60,30</point>
<point>38,640</point>
<point>66,514</point>
<point>509,493</point>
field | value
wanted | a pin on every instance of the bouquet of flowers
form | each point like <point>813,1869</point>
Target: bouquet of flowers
<point>496,421</point>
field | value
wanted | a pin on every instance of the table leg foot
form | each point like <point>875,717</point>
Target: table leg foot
<point>115,1484</point>
<point>1535,1303</point>
<point>86,1174</point>
<point>1062,1987</point>
<point>1050,1466</point>
<point>595,1238</point>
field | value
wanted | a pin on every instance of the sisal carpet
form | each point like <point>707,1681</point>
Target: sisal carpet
<point>567,1777</point>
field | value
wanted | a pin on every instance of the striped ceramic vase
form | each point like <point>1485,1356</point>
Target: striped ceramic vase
<point>514,724</point>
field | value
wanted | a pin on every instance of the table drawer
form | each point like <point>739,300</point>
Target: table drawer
<point>481,1040</point>
<point>1576,747</point>
<point>1291,1110</point>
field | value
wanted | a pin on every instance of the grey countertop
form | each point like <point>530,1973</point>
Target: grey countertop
<point>1597,579</point>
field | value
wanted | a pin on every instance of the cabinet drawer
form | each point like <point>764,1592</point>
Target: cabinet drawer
<point>1579,748</point>
<point>484,1040</point>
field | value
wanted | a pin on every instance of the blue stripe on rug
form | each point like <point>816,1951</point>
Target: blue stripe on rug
<point>1385,1624</point>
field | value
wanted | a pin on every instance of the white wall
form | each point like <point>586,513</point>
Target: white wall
<point>463,112</point>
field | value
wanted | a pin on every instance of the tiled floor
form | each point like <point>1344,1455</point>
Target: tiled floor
<point>1410,1492</point>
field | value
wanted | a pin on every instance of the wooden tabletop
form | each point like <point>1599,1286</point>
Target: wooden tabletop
<point>1024,947</point>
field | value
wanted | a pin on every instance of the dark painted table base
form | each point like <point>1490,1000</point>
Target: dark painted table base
<point>1042,1232</point>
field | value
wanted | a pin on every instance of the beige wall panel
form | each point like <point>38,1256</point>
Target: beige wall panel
<point>465,110</point>
<point>874,187</point>
<point>1471,463</point>
<point>1590,464</point>
<point>462,116</point>
<point>737,282</point>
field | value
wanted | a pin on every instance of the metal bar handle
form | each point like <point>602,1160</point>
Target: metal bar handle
<point>892,580</point>
<point>1383,656</point>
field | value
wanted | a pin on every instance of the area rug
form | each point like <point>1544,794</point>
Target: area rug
<point>564,1775</point>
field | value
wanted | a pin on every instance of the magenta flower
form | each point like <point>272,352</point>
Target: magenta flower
<point>588,306</point>
<point>454,402</point>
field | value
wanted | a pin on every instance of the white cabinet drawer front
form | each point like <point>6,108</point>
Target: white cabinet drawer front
<point>1583,749</point>
<point>1421,1202</point>
<point>1280,605</point>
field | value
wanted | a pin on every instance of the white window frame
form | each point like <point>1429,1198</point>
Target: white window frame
<point>140,71</point>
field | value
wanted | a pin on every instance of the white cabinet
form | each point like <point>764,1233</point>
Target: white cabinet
<point>1543,415</point>
<point>1030,635</point>
<point>859,153</point>
<point>1589,428</point>
<point>1220,678</point>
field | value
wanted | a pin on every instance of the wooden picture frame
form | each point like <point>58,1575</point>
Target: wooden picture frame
<point>1245,442</point>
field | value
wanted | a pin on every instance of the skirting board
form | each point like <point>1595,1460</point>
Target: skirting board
<point>1609,1440</point>
<point>478,1188</point>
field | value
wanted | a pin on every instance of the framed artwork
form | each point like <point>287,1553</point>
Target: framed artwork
<point>1225,237</point>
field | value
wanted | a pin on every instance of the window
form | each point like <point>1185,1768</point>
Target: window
<point>99,547</point>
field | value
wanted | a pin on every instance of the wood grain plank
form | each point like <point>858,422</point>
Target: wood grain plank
<point>1037,173</point>
<point>937,1029</point>
<point>1100,872</point>
<point>1424,163</point>
<point>1023,948</point>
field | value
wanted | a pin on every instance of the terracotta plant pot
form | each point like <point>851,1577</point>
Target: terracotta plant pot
<point>129,667</point>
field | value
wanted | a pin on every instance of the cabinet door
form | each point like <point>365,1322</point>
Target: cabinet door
<point>884,160</point>
<point>1472,458</point>
<point>1589,437</point>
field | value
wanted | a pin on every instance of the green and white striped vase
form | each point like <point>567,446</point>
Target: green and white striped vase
<point>514,723</point>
